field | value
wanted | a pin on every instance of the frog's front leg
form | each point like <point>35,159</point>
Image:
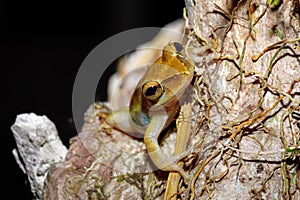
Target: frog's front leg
<point>121,119</point>
<point>159,158</point>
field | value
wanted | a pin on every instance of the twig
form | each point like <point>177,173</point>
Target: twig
<point>183,134</point>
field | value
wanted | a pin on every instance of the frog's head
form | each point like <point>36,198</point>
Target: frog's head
<point>162,86</point>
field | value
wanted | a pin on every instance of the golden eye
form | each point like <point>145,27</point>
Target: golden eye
<point>174,49</point>
<point>152,90</point>
<point>178,47</point>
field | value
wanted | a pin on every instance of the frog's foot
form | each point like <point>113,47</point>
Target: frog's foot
<point>180,170</point>
<point>167,163</point>
<point>159,158</point>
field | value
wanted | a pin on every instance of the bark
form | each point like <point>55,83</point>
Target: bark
<point>38,146</point>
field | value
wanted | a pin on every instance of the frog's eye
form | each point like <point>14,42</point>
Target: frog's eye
<point>152,90</point>
<point>175,49</point>
<point>178,47</point>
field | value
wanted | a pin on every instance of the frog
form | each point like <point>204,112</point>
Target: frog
<point>155,103</point>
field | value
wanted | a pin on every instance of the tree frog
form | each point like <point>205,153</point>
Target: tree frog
<point>155,103</point>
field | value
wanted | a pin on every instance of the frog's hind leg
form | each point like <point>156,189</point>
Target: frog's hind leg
<point>159,158</point>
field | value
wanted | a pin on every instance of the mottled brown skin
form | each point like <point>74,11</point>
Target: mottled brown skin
<point>155,102</point>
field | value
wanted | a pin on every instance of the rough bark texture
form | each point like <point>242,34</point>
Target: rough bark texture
<point>39,147</point>
<point>246,115</point>
<point>248,85</point>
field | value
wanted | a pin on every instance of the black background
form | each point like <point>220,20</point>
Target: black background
<point>42,45</point>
